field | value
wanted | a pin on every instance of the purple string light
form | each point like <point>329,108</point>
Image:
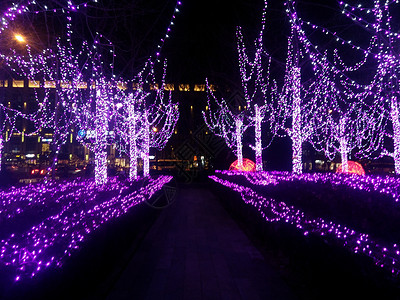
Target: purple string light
<point>84,210</point>
<point>384,255</point>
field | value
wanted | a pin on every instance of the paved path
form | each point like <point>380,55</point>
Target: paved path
<point>195,250</point>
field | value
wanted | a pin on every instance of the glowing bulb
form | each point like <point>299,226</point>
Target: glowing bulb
<point>19,38</point>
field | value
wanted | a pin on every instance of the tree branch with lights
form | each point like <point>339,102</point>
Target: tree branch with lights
<point>159,118</point>
<point>260,95</point>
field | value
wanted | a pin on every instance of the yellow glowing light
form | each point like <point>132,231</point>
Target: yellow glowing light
<point>155,129</point>
<point>19,38</point>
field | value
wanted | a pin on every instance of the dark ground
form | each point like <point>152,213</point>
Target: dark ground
<point>195,250</point>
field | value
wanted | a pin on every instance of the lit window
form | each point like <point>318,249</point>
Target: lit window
<point>184,88</point>
<point>82,85</point>
<point>18,83</point>
<point>122,85</point>
<point>3,83</point>
<point>34,84</point>
<point>50,84</point>
<point>169,87</point>
<point>199,87</point>
<point>45,147</point>
<point>135,86</point>
<point>154,87</point>
<point>213,87</point>
<point>65,84</point>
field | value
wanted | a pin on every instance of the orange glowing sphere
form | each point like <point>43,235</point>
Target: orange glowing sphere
<point>248,166</point>
<point>354,168</point>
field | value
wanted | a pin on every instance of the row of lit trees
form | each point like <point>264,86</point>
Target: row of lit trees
<point>100,108</point>
<point>329,108</point>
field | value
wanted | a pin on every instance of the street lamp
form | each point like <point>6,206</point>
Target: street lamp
<point>19,38</point>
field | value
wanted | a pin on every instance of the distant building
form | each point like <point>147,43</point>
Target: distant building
<point>27,150</point>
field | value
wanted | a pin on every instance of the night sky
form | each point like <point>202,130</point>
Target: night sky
<point>202,42</point>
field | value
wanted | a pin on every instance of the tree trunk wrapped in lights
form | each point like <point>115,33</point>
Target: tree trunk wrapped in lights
<point>101,127</point>
<point>129,127</point>
<point>134,131</point>
<point>296,132</point>
<point>394,114</point>
<point>239,147</point>
<point>343,145</point>
<point>297,106</point>
<point>146,145</point>
<point>133,148</point>
<point>260,95</point>
<point>96,115</point>
<point>258,145</point>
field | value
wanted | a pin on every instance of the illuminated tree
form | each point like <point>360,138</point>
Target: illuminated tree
<point>8,119</point>
<point>226,123</point>
<point>259,94</point>
<point>384,87</point>
<point>297,106</point>
<point>95,113</point>
<point>340,124</point>
<point>57,75</point>
<point>128,126</point>
<point>145,120</point>
<point>260,98</point>
<point>330,114</point>
<point>159,119</point>
<point>9,15</point>
<point>379,98</point>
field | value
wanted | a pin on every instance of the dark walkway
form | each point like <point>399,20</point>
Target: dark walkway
<point>196,251</point>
